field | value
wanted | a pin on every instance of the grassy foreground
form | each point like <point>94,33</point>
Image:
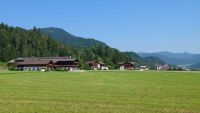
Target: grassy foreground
<point>99,92</point>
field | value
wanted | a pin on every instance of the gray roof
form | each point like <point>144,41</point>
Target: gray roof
<point>34,62</point>
<point>121,63</point>
<point>41,60</point>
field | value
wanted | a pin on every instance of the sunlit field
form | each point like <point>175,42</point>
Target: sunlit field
<point>99,92</point>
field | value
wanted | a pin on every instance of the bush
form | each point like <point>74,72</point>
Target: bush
<point>12,68</point>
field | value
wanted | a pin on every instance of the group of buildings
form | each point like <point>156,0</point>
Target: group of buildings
<point>60,63</point>
<point>68,64</point>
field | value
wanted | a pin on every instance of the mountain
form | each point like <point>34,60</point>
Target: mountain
<point>175,58</point>
<point>67,38</point>
<point>150,61</point>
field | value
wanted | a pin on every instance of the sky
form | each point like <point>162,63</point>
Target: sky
<point>128,25</point>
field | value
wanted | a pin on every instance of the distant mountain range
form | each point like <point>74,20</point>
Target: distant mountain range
<point>175,58</point>
<point>150,61</point>
<point>69,39</point>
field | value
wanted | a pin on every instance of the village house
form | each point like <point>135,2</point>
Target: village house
<point>144,68</point>
<point>44,63</point>
<point>127,66</point>
<point>94,65</point>
<point>162,67</point>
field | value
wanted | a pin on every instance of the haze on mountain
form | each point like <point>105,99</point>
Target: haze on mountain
<point>175,58</point>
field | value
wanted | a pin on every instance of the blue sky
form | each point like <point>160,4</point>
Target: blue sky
<point>128,25</point>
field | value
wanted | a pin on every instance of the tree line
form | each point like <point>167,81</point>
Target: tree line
<point>17,42</point>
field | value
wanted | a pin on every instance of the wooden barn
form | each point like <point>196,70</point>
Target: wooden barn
<point>44,63</point>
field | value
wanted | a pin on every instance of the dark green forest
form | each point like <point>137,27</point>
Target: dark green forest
<point>18,42</point>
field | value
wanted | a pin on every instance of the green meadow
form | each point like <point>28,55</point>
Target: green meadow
<point>99,92</point>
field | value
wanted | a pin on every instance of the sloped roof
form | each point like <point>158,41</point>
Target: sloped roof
<point>57,60</point>
<point>121,63</point>
<point>95,62</point>
<point>27,58</point>
<point>41,60</point>
<point>91,62</point>
<point>132,63</point>
<point>11,61</point>
<point>34,62</point>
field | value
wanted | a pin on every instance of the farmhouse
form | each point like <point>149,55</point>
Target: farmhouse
<point>44,63</point>
<point>127,66</point>
<point>94,65</point>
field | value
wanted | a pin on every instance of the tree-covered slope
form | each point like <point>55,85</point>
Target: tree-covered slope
<point>67,38</point>
<point>15,42</point>
<point>18,42</point>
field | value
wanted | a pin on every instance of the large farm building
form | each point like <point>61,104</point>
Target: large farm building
<point>44,63</point>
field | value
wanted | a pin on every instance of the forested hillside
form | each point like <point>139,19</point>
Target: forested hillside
<point>69,39</point>
<point>17,42</point>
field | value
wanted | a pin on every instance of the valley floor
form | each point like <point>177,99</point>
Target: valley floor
<point>99,92</point>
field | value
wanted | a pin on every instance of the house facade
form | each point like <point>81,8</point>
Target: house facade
<point>144,68</point>
<point>44,63</point>
<point>162,67</point>
<point>127,66</point>
<point>94,65</point>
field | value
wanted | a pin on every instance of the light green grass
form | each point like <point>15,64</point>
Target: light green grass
<point>99,92</point>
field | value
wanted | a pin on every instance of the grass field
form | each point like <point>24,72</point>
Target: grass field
<point>99,92</point>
